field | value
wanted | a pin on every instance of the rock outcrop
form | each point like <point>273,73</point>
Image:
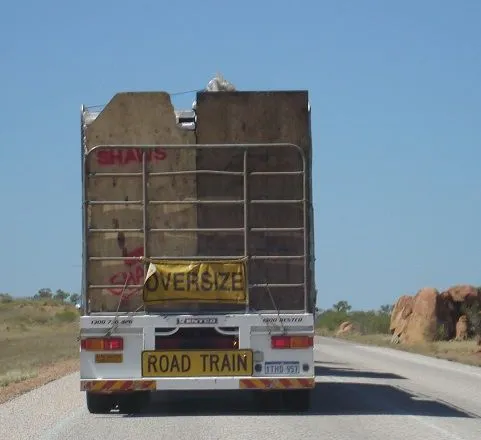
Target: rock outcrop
<point>430,315</point>
<point>464,294</point>
<point>400,313</point>
<point>348,327</point>
<point>345,327</point>
<point>462,328</point>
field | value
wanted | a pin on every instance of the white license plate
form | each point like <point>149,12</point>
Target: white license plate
<point>281,368</point>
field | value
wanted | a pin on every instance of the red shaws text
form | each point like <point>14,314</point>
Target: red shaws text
<point>125,156</point>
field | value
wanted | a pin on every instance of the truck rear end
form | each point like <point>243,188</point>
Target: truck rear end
<point>198,248</point>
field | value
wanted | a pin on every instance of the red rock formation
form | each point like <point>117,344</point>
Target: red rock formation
<point>345,327</point>
<point>462,328</point>
<point>430,316</point>
<point>463,293</point>
<point>422,324</point>
<point>401,312</point>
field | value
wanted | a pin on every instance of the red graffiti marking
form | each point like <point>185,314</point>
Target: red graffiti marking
<point>138,252</point>
<point>119,156</point>
<point>134,275</point>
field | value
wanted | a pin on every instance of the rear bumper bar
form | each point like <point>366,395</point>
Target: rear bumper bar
<point>197,383</point>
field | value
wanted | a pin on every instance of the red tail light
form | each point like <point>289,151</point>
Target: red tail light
<point>292,341</point>
<point>102,344</point>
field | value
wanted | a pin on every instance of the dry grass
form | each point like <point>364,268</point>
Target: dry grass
<point>458,351</point>
<point>43,375</point>
<point>33,335</point>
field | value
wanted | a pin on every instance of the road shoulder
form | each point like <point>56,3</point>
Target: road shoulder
<point>45,375</point>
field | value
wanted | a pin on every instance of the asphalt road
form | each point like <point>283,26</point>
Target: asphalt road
<point>363,393</point>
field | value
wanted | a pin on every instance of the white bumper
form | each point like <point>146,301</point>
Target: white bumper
<point>255,331</point>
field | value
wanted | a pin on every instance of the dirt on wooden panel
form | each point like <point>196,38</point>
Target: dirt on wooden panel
<point>276,271</point>
<point>259,117</point>
<point>220,187</point>
<point>279,187</point>
<point>281,272</point>
<point>260,299</point>
<point>173,215</point>
<point>137,118</point>
<point>125,245</point>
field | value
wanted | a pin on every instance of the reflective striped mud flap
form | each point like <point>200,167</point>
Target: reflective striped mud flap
<point>111,386</point>
<point>281,383</point>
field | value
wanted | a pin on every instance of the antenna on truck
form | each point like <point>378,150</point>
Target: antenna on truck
<point>115,322</point>
<point>281,324</point>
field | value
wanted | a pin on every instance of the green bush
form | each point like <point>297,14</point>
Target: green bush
<point>370,322</point>
<point>473,313</point>
<point>331,319</point>
<point>66,316</point>
<point>5,298</point>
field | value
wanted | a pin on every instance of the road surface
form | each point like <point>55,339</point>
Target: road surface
<point>363,393</point>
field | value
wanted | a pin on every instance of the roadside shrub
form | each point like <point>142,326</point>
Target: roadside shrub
<point>331,319</point>
<point>66,316</point>
<point>370,322</point>
<point>5,298</point>
<point>473,312</point>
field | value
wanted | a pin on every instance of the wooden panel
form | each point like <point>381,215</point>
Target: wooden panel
<point>141,118</point>
<point>258,117</point>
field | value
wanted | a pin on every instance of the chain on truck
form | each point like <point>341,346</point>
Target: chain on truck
<point>198,247</point>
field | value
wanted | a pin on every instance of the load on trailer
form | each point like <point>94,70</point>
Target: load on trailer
<point>198,247</point>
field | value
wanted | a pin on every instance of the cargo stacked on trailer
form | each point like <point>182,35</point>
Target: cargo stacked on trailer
<point>198,252</point>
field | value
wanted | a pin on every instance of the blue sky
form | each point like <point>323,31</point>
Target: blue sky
<point>395,93</point>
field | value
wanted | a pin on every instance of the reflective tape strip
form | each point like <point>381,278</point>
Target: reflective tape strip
<point>108,386</point>
<point>281,383</point>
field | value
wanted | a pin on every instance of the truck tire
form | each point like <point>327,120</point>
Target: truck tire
<point>99,403</point>
<point>133,403</point>
<point>297,400</point>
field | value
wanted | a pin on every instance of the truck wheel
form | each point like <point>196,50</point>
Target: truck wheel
<point>99,403</point>
<point>133,403</point>
<point>297,400</point>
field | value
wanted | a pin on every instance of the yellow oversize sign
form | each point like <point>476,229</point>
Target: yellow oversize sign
<point>200,281</point>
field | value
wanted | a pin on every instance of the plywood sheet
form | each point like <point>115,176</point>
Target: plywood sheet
<point>258,117</point>
<point>135,118</point>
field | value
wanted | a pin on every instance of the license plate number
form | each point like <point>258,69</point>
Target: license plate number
<point>282,368</point>
<point>195,363</point>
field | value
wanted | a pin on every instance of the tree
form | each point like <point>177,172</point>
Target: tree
<point>74,298</point>
<point>44,293</point>
<point>342,306</point>
<point>386,308</point>
<point>61,295</point>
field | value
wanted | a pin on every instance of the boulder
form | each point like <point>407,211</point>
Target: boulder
<point>347,327</point>
<point>401,312</point>
<point>422,323</point>
<point>462,328</point>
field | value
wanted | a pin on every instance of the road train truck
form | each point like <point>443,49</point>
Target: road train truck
<point>198,248</point>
